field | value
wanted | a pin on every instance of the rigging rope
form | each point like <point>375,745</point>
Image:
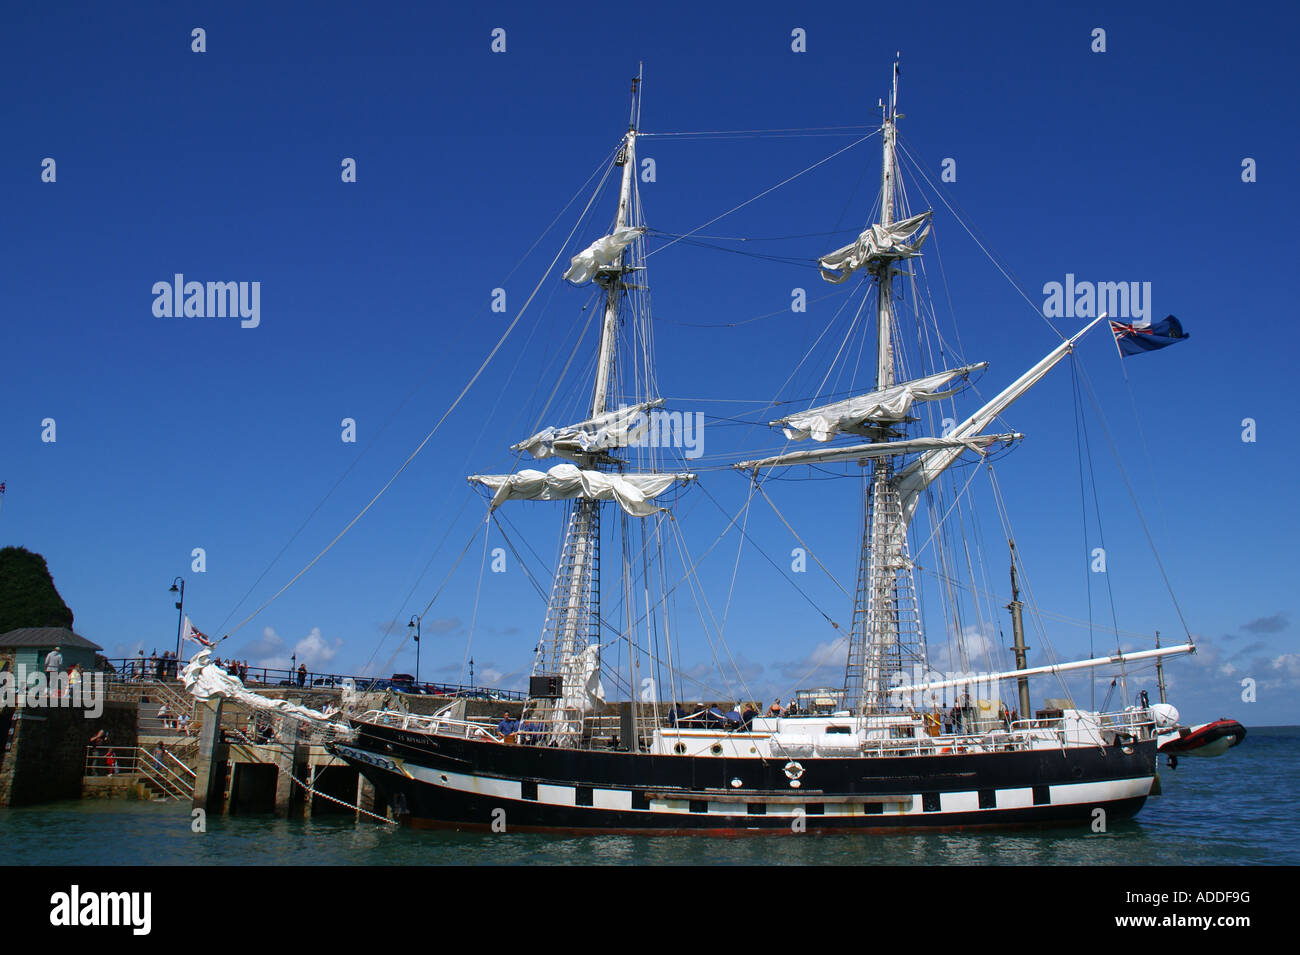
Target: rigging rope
<point>765,192</point>
<point>812,603</point>
<point>1031,603</point>
<point>387,667</point>
<point>603,164</point>
<point>796,536</point>
<point>427,438</point>
<point>998,265</point>
<point>792,131</point>
<point>388,632</point>
<point>469,639</point>
<point>1092,398</point>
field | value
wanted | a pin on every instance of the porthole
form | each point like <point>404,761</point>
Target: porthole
<point>680,749</point>
<point>716,749</point>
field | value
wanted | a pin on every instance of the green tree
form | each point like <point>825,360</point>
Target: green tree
<point>28,597</point>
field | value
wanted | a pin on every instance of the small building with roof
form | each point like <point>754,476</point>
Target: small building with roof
<point>29,645</point>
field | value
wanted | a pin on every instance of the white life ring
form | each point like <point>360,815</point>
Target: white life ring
<point>793,770</point>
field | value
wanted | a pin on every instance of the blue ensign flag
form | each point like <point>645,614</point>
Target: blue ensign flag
<point>1136,339</point>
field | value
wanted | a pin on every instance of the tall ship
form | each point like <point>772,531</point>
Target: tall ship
<point>898,744</point>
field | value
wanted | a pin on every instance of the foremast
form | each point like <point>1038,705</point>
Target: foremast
<point>565,684</point>
<point>571,638</point>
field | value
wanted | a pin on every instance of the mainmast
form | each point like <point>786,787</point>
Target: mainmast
<point>886,619</point>
<point>886,635</point>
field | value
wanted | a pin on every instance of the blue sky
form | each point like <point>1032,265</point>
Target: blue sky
<point>375,304</point>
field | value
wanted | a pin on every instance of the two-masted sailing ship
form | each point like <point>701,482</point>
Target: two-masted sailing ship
<point>876,753</point>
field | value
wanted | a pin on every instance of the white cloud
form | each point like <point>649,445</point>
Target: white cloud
<point>270,644</point>
<point>314,650</point>
<point>982,651</point>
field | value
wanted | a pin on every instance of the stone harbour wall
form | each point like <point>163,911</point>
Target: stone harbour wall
<point>45,755</point>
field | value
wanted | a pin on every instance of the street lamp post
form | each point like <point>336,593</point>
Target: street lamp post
<point>415,622</point>
<point>180,611</point>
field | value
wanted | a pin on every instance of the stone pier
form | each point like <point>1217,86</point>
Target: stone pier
<point>209,776</point>
<point>43,755</point>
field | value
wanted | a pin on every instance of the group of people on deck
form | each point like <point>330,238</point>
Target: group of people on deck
<point>515,731</point>
<point>964,717</point>
<point>701,717</point>
<point>713,717</point>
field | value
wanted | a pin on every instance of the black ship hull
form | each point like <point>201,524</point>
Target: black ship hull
<point>434,780</point>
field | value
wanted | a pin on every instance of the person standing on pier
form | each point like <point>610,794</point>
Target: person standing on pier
<point>53,665</point>
<point>98,747</point>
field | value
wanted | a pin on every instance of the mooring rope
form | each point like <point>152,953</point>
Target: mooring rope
<point>364,812</point>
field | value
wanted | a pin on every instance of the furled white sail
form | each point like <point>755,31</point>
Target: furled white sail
<point>583,693</point>
<point>886,404</point>
<point>613,429</point>
<point>204,681</point>
<point>583,689</point>
<point>600,254</point>
<point>918,475</point>
<point>898,240</point>
<point>634,492</point>
<point>882,449</point>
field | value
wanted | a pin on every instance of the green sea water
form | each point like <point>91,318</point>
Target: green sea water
<point>1237,809</point>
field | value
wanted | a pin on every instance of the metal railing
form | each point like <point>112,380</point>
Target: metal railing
<point>182,713</point>
<point>446,726</point>
<point>137,670</point>
<point>1133,720</point>
<point>168,775</point>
